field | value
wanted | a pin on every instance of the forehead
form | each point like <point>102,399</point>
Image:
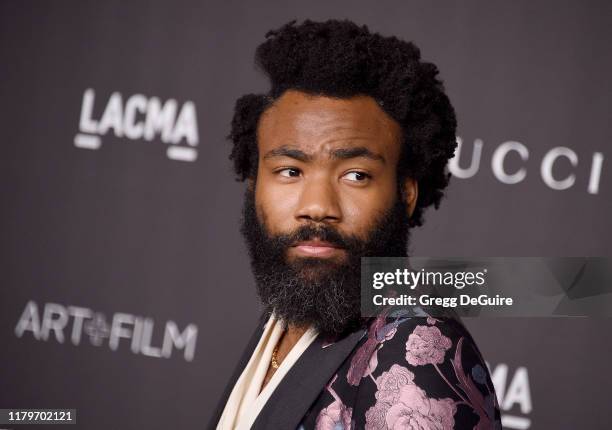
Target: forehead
<point>317,124</point>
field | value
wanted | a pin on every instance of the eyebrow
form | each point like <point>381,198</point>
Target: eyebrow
<point>337,154</point>
<point>358,151</point>
<point>286,151</point>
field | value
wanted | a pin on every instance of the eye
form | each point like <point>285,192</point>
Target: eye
<point>289,172</point>
<point>357,176</point>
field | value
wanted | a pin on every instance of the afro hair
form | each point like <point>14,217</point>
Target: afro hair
<point>341,59</point>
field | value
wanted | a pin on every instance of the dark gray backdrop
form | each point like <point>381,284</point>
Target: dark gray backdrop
<point>125,233</point>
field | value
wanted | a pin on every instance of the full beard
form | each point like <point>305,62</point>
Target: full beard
<point>324,293</point>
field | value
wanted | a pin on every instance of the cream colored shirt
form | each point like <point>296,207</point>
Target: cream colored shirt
<point>246,401</point>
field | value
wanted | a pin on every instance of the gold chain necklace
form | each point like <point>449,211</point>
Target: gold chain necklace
<point>274,361</point>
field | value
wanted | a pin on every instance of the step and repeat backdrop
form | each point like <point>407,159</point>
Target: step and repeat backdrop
<point>126,291</point>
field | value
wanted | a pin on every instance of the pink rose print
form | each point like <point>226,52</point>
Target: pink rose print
<point>400,404</point>
<point>336,416</point>
<point>375,417</point>
<point>415,410</point>
<point>390,382</point>
<point>426,345</point>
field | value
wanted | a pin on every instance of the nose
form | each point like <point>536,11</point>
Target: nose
<point>318,201</point>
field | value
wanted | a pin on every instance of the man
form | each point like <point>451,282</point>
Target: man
<point>341,158</point>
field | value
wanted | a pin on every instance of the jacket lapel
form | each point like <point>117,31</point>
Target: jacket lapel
<point>244,359</point>
<point>304,382</point>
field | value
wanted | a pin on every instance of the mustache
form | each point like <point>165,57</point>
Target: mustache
<point>312,232</point>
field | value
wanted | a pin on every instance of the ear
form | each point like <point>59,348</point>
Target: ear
<point>411,193</point>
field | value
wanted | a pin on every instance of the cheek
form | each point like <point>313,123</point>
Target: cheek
<point>275,205</point>
<point>362,209</point>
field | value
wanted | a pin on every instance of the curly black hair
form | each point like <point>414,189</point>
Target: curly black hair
<point>341,59</point>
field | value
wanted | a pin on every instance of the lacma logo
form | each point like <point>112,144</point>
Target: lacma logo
<point>69,323</point>
<point>514,396</point>
<point>141,118</point>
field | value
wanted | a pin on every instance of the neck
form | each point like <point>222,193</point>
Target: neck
<point>294,333</point>
<point>291,336</point>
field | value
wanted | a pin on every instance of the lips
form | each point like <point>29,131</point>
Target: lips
<point>317,248</point>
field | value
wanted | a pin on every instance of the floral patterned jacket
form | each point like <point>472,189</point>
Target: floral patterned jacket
<point>400,373</point>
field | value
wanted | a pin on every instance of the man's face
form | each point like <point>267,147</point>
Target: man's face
<point>326,194</point>
<point>325,161</point>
